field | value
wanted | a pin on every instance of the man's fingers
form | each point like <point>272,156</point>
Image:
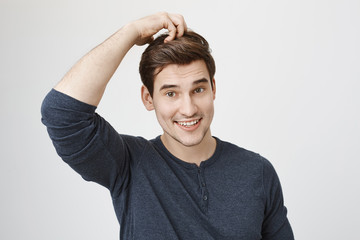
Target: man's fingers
<point>172,32</point>
<point>148,26</point>
<point>180,25</point>
<point>176,26</point>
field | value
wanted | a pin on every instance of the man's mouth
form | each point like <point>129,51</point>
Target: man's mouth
<point>188,123</point>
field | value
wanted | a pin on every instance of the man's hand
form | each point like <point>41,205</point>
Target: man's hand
<point>148,26</point>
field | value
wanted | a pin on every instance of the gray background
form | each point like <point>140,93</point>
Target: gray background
<point>288,87</point>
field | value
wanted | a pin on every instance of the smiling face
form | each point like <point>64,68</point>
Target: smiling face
<point>183,100</point>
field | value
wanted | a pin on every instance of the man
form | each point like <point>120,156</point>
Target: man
<point>184,184</point>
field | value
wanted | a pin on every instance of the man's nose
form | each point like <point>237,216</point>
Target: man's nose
<point>188,107</point>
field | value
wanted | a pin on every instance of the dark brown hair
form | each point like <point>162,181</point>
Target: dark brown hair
<point>184,50</point>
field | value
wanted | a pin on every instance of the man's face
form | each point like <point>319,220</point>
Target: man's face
<point>183,101</point>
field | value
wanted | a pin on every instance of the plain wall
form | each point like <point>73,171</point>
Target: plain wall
<point>288,86</point>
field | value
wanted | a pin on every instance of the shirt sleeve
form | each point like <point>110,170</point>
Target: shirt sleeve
<point>85,141</point>
<point>276,225</point>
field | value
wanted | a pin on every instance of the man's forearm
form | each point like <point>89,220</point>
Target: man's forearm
<point>87,79</point>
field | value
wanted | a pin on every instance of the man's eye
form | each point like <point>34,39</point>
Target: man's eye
<point>199,90</point>
<point>170,94</point>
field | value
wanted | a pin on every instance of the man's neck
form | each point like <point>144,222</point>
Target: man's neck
<point>192,154</point>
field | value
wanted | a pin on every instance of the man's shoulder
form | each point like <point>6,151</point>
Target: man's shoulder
<point>234,148</point>
<point>134,141</point>
<point>138,143</point>
<point>234,151</point>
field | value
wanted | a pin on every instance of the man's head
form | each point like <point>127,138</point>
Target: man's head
<point>184,50</point>
<point>179,85</point>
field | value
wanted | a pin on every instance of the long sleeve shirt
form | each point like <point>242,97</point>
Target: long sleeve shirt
<point>235,194</point>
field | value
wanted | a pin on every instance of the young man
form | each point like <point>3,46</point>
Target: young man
<point>184,184</point>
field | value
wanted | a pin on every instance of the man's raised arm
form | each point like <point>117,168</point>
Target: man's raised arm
<point>87,79</point>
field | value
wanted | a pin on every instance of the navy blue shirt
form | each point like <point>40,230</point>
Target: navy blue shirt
<point>235,194</point>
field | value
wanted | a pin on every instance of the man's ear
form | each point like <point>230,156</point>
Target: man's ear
<point>146,98</point>
<point>213,88</point>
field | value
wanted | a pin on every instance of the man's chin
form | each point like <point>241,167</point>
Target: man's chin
<point>189,144</point>
<point>190,141</point>
<point>186,140</point>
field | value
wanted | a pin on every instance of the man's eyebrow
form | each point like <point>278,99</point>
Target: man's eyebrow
<point>166,86</point>
<point>203,80</point>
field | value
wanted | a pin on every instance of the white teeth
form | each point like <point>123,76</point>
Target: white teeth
<point>188,124</point>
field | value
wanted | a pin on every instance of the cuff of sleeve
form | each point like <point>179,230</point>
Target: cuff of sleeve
<point>56,98</point>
